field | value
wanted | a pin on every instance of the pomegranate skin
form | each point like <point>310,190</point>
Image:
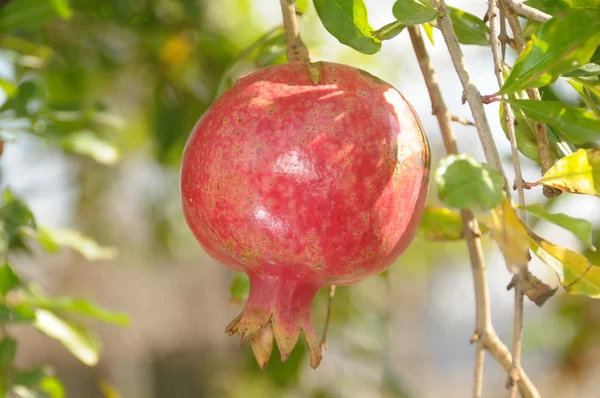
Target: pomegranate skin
<point>301,185</point>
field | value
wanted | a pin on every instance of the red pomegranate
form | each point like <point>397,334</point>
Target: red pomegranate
<point>303,175</point>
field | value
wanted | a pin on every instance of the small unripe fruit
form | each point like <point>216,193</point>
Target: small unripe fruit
<point>303,175</point>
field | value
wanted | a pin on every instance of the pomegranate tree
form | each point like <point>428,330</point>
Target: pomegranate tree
<point>303,175</point>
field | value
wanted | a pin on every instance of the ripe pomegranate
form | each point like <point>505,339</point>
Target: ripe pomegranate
<point>303,175</point>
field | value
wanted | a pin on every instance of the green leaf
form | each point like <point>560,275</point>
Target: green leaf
<point>31,14</point>
<point>85,246</point>
<point>32,378</point>
<point>577,125</point>
<point>389,31</point>
<point>76,306</point>
<point>62,8</point>
<point>586,95</point>
<point>524,134</point>
<point>53,387</point>
<point>576,273</point>
<point>467,184</point>
<point>15,218</point>
<point>440,224</point>
<point>22,312</point>
<point>87,143</point>
<point>559,46</point>
<point>413,12</point>
<point>16,313</point>
<point>347,21</point>
<point>301,6</point>
<point>239,288</point>
<point>4,313</point>
<point>589,69</point>
<point>8,279</point>
<point>8,348</point>
<point>555,7</point>
<point>576,173</point>
<point>75,338</point>
<point>469,29</point>
<point>429,32</point>
<point>579,227</point>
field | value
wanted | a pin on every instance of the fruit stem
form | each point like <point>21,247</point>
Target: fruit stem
<point>296,49</point>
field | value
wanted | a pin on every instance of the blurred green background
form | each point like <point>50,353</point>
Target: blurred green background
<point>97,102</point>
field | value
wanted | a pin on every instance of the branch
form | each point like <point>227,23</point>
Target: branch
<point>514,373</point>
<point>296,49</point>
<point>509,117</point>
<point>485,337</point>
<point>541,131</point>
<point>472,93</point>
<point>528,12</point>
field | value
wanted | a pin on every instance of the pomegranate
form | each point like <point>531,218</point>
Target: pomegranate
<point>303,175</point>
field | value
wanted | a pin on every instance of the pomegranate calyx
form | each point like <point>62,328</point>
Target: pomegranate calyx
<point>278,308</point>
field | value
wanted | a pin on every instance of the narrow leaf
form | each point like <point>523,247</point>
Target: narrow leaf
<point>577,125</point>
<point>8,279</point>
<point>32,378</point>
<point>559,46</point>
<point>555,7</point>
<point>469,29</point>
<point>576,173</point>
<point>87,143</point>
<point>389,31</point>
<point>465,183</point>
<point>109,390</point>
<point>62,8</point>
<point>77,306</point>
<point>347,21</point>
<point>440,224</point>
<point>413,12</point>
<point>53,387</point>
<point>589,69</point>
<point>8,348</point>
<point>85,246</point>
<point>301,6</point>
<point>579,227</point>
<point>429,32</point>
<point>31,14</point>
<point>75,338</point>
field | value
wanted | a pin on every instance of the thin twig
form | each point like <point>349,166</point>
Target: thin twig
<point>528,12</point>
<point>461,120</point>
<point>472,93</point>
<point>323,344</point>
<point>485,337</point>
<point>296,49</point>
<point>522,271</point>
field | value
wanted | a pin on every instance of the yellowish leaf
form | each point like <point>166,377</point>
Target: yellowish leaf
<point>510,234</point>
<point>108,389</point>
<point>576,273</point>
<point>576,173</point>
